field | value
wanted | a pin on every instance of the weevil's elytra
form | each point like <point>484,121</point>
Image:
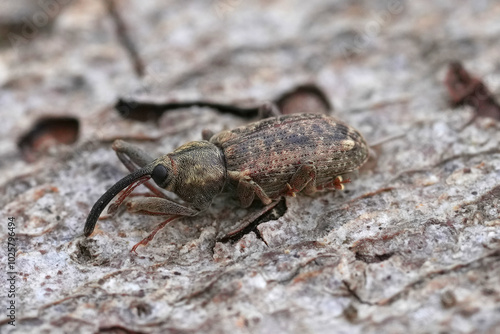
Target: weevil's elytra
<point>271,151</point>
<point>275,157</point>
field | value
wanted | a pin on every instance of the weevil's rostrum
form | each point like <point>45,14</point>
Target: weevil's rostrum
<point>275,157</point>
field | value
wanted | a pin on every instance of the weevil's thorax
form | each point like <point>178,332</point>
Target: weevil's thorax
<point>199,172</point>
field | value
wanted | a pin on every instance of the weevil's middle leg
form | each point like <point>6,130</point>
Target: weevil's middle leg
<point>303,179</point>
<point>247,189</point>
<point>159,207</point>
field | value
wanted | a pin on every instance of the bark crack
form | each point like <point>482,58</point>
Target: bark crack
<point>124,38</point>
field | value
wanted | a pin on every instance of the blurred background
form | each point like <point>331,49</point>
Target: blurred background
<point>74,59</point>
<point>74,76</point>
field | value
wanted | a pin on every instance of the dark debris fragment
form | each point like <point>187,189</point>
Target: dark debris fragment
<point>465,89</point>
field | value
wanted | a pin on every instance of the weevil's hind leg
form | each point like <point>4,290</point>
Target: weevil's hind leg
<point>304,179</point>
<point>247,220</point>
<point>132,156</point>
<point>247,189</point>
<point>269,109</point>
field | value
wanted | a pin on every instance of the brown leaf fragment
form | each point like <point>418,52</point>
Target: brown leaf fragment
<point>465,89</point>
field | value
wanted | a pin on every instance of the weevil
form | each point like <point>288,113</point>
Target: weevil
<point>268,159</point>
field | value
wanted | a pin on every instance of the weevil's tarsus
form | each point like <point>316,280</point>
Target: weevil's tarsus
<point>339,182</point>
<point>125,193</point>
<point>336,184</point>
<point>110,194</point>
<point>150,237</point>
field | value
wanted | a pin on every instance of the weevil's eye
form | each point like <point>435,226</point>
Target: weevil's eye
<point>159,174</point>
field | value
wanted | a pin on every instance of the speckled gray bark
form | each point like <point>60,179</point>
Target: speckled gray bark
<point>413,245</point>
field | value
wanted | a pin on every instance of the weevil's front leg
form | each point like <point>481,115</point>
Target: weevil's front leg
<point>303,179</point>
<point>159,206</point>
<point>132,157</point>
<point>130,154</point>
<point>247,189</point>
<point>151,236</point>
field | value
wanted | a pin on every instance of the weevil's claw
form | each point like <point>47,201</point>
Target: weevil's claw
<point>290,191</point>
<point>339,182</point>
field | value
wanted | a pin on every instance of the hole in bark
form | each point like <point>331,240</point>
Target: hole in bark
<point>368,258</point>
<point>83,253</point>
<point>448,299</point>
<point>46,133</point>
<point>150,111</point>
<point>117,329</point>
<point>142,309</point>
<point>351,313</point>
<point>304,99</point>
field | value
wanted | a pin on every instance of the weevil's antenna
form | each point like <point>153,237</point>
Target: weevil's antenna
<point>110,194</point>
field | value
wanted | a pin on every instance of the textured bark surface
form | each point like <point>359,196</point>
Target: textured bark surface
<point>413,244</point>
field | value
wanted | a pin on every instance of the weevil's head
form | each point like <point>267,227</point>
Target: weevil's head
<point>196,172</point>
